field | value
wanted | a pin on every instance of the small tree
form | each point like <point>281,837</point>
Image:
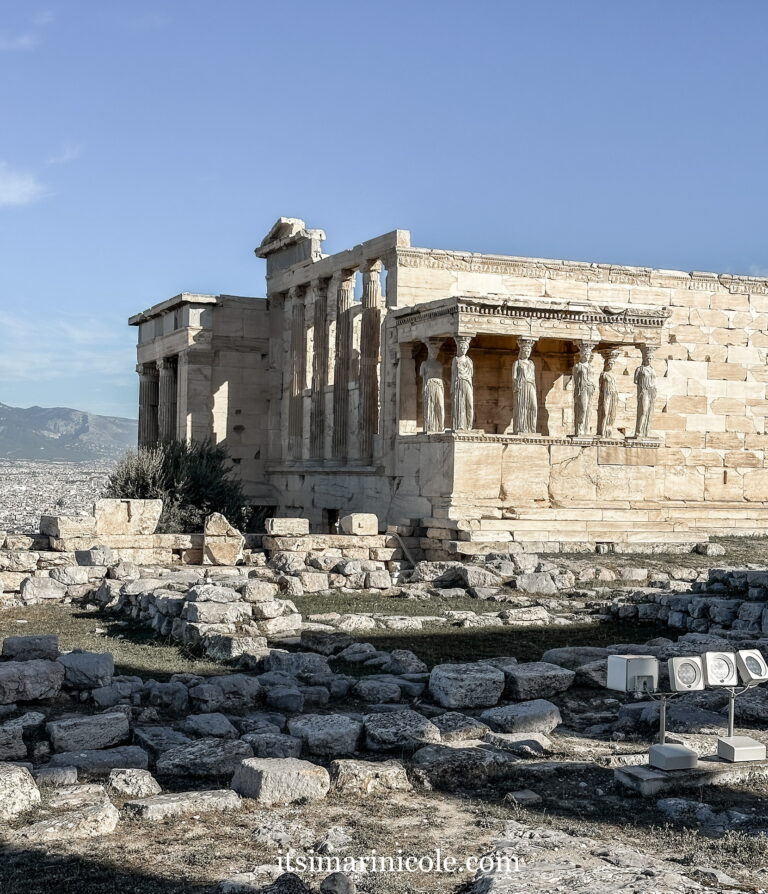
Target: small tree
<point>192,479</point>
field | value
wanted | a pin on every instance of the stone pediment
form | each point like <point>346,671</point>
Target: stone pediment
<point>286,231</point>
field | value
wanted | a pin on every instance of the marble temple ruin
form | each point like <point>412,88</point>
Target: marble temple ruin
<point>485,398</point>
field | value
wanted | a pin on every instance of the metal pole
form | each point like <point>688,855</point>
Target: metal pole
<point>731,712</point>
<point>663,720</point>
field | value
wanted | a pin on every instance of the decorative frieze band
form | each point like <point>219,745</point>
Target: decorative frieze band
<point>434,259</point>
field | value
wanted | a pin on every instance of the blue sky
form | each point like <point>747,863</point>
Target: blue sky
<point>146,148</point>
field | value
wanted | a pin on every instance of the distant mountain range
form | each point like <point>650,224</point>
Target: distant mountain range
<point>60,434</point>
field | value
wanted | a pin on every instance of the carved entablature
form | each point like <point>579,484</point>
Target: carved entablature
<point>533,318</point>
<point>545,268</point>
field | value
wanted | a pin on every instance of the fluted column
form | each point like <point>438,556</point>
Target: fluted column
<point>319,369</point>
<point>166,410</point>
<point>297,360</point>
<point>370,346</point>
<point>148,400</point>
<point>344,299</point>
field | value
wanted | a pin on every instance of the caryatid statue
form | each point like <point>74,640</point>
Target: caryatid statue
<point>645,380</point>
<point>434,391</point>
<point>608,397</point>
<point>462,386</point>
<point>525,408</point>
<point>583,389</point>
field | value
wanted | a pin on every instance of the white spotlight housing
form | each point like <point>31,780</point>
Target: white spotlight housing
<point>686,673</point>
<point>752,666</point>
<point>720,669</point>
<point>633,673</point>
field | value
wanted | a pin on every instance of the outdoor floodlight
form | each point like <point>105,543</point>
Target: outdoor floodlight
<point>720,669</point>
<point>686,674</point>
<point>752,666</point>
<point>633,673</point>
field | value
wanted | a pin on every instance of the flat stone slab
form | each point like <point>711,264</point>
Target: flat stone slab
<point>125,757</point>
<point>649,781</point>
<point>181,803</point>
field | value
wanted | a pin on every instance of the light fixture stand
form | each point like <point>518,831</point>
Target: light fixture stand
<point>664,756</point>
<point>733,748</point>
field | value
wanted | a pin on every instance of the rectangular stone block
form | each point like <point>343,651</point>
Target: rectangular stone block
<point>127,516</point>
<point>67,525</point>
<point>282,527</point>
<point>359,523</point>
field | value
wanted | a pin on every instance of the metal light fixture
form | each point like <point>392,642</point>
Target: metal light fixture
<point>720,669</point>
<point>752,666</point>
<point>686,674</point>
<point>633,673</point>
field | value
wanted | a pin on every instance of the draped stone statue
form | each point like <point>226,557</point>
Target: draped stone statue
<point>462,387</point>
<point>645,380</point>
<point>434,391</point>
<point>525,407</point>
<point>608,396</point>
<point>583,389</point>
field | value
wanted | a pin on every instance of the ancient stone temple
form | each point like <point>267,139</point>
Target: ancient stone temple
<point>486,398</point>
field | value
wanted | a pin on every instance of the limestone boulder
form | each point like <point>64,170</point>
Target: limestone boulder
<point>536,583</point>
<point>368,777</point>
<point>273,744</point>
<point>327,734</point>
<point>359,523</point>
<point>457,727</point>
<point>67,525</point>
<point>160,807</point>
<point>213,724</point>
<point>536,716</point>
<point>95,556</point>
<point>208,757</point>
<point>127,517</point>
<point>87,670</point>
<point>12,744</point>
<point>100,763</point>
<point>35,590</point>
<point>26,681</point>
<point>451,768</point>
<point>536,679</point>
<point>286,527</point>
<point>94,732</point>
<point>88,822</point>
<point>18,792</point>
<point>466,685</point>
<point>133,784</point>
<point>402,730</point>
<point>281,781</point>
<point>28,648</point>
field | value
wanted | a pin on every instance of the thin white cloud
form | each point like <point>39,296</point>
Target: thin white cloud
<point>19,187</point>
<point>70,151</point>
<point>44,17</point>
<point>67,347</point>
<point>30,39</point>
<point>19,42</point>
<point>758,270</point>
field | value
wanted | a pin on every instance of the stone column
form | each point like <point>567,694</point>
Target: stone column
<point>319,370</point>
<point>583,389</point>
<point>462,386</point>
<point>296,359</point>
<point>525,403</point>
<point>370,347</point>
<point>433,389</point>
<point>645,382</point>
<point>166,412</point>
<point>345,297</point>
<point>148,400</point>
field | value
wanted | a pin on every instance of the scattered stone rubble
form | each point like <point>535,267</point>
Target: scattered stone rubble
<point>82,748</point>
